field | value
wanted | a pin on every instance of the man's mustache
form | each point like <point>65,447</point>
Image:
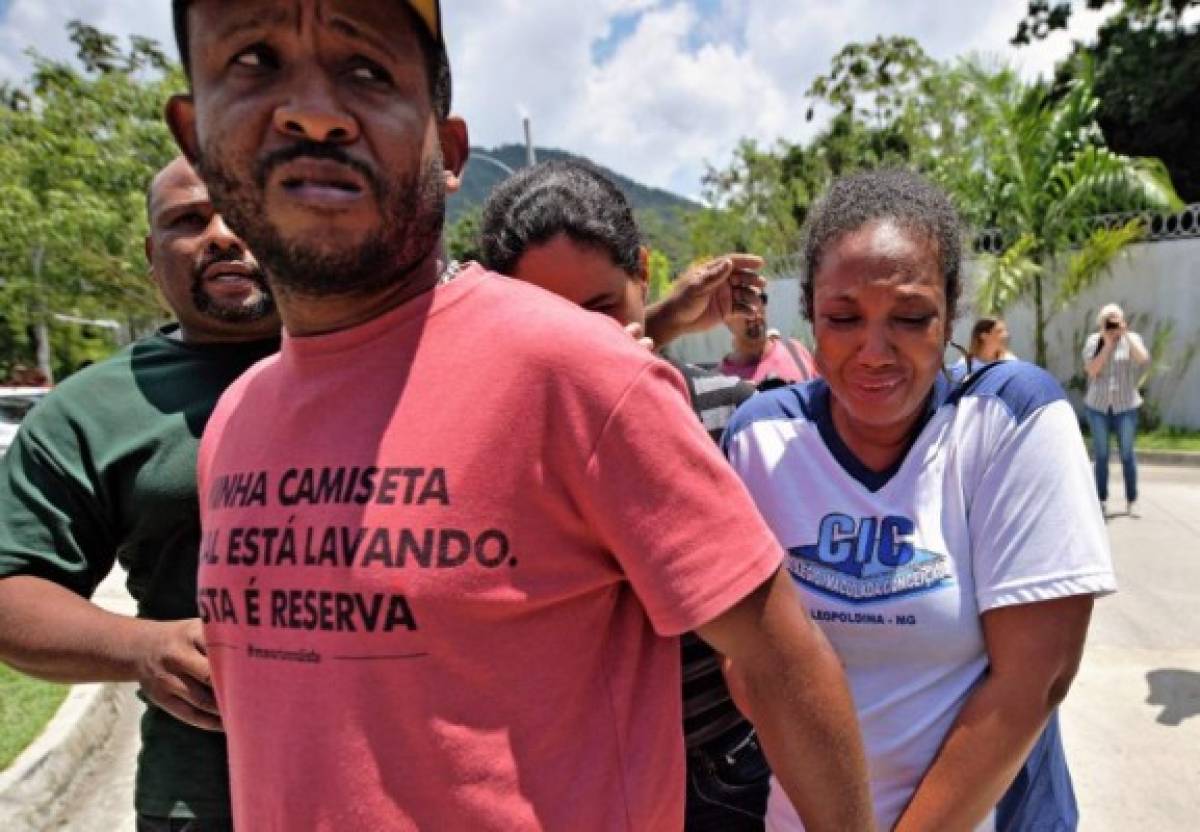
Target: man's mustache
<point>314,150</point>
<point>231,256</point>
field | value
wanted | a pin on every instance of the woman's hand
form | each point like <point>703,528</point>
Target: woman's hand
<point>1113,335</point>
<point>1108,342</point>
<point>1137,349</point>
<point>1034,652</point>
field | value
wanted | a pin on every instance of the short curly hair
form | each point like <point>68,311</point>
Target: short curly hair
<point>437,62</point>
<point>535,205</point>
<point>901,196</point>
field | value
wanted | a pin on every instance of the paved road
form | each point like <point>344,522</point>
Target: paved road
<point>1132,722</point>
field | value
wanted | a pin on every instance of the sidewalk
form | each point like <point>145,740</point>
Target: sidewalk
<point>1132,720</point>
<point>1156,458</point>
<point>1145,457</point>
<point>85,755</point>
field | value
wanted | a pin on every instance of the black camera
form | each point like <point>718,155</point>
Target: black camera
<point>1112,325</point>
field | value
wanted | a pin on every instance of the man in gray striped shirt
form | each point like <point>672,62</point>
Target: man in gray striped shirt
<point>1115,359</point>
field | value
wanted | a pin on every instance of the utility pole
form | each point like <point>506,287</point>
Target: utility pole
<point>530,154</point>
<point>40,327</point>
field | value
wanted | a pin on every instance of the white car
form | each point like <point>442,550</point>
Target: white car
<point>15,402</point>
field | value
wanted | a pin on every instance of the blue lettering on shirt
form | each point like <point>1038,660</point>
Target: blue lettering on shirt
<point>868,559</point>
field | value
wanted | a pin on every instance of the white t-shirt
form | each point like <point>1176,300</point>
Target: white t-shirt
<point>992,506</point>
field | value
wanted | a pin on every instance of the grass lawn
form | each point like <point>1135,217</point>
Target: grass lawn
<point>1169,439</point>
<point>26,705</point>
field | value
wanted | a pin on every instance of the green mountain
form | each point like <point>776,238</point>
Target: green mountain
<point>661,214</point>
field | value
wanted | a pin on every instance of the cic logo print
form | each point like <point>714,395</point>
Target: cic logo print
<point>869,543</point>
<point>868,559</point>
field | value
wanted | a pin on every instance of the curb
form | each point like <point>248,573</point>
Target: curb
<point>1175,459</point>
<point>1180,458</point>
<point>31,788</point>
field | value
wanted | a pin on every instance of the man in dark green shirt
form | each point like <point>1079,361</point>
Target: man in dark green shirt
<point>104,469</point>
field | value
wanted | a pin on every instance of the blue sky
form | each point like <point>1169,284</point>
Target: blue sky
<point>621,27</point>
<point>656,89</point>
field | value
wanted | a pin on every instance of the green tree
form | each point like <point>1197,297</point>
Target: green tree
<point>1147,66</point>
<point>665,231</point>
<point>660,275</point>
<point>463,235</point>
<point>755,204</point>
<point>874,82</point>
<point>887,104</point>
<point>1045,174</point>
<point>1044,17</point>
<point>77,149</point>
<point>1027,160</point>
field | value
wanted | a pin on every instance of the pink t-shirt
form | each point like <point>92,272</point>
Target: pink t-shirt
<point>776,362</point>
<point>445,557</point>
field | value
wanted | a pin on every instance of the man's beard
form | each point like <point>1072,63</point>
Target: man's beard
<point>239,314</point>
<point>412,212</point>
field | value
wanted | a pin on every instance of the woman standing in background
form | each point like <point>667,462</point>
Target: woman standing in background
<point>989,342</point>
<point>1114,358</point>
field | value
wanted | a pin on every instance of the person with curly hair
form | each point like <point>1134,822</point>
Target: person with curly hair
<point>942,533</point>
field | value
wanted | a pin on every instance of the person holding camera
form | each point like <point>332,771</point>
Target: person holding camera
<point>762,356</point>
<point>1114,358</point>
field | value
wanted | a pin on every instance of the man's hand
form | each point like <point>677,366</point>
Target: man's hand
<point>705,295</point>
<point>638,333</point>
<point>788,681</point>
<point>174,673</point>
<point>49,632</point>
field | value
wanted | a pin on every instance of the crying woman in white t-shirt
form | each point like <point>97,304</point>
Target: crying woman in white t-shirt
<point>943,532</point>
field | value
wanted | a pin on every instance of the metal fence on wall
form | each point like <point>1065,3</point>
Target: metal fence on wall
<point>1159,227</point>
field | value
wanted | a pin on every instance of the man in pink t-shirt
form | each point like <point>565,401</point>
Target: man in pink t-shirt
<point>760,355</point>
<point>440,582</point>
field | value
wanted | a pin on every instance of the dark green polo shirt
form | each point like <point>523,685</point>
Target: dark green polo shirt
<point>104,469</point>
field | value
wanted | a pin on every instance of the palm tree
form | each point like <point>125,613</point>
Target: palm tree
<point>1036,169</point>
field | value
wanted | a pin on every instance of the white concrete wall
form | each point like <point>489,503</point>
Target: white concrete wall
<point>1155,283</point>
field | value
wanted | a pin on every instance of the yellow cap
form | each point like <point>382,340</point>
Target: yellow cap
<point>429,12</point>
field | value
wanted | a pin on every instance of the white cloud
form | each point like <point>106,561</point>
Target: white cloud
<point>658,108</point>
<point>42,26</point>
<point>681,89</point>
<point>666,109</point>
